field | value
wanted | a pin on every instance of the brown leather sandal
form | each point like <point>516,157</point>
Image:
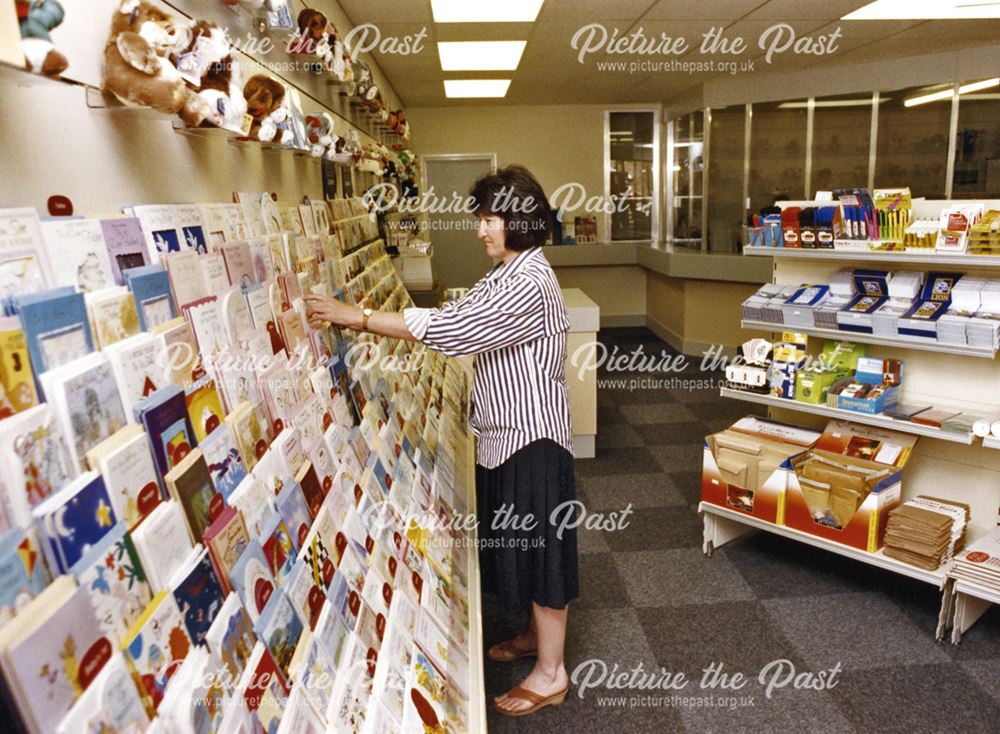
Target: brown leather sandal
<point>507,651</point>
<point>538,702</point>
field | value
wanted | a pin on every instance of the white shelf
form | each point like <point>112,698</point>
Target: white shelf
<point>882,421</point>
<point>972,261</point>
<point>877,559</point>
<point>970,588</point>
<point>926,345</point>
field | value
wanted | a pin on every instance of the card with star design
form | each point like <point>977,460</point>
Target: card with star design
<point>75,519</point>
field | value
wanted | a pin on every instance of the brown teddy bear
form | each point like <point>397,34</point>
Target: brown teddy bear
<point>137,68</point>
<point>264,96</point>
<point>315,36</point>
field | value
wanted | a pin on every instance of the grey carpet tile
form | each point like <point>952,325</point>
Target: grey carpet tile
<point>641,490</point>
<point>986,674</point>
<point>656,528</point>
<point>776,567</point>
<point>591,541</point>
<point>619,393</point>
<point>609,415</point>
<point>688,482</point>
<point>924,698</point>
<point>730,409</point>
<point>639,415</point>
<point>786,710</point>
<point>601,585</point>
<point>687,433</point>
<point>674,578</point>
<point>733,637</point>
<point>858,630</point>
<point>621,639</point>
<point>617,436</point>
<point>679,457</point>
<point>634,460</point>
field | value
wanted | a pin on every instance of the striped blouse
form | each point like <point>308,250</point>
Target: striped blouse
<point>514,321</point>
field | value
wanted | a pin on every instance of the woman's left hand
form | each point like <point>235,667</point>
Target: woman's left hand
<point>323,309</point>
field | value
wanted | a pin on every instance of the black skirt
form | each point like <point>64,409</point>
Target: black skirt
<point>518,564</point>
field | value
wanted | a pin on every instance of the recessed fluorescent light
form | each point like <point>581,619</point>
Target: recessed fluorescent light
<point>485,11</point>
<point>947,93</point>
<point>476,87</point>
<point>480,55</point>
<point>864,102</point>
<point>926,10</point>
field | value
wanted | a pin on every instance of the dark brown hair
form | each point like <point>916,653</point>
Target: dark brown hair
<point>514,195</point>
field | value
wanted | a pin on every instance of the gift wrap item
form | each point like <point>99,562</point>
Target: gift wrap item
<point>747,466</point>
<point>844,487</point>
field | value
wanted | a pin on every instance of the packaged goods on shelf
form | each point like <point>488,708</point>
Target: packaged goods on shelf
<point>843,488</point>
<point>747,466</point>
<point>926,531</point>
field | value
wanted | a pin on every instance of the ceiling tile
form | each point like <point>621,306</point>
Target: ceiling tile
<point>718,10</point>
<point>805,9</point>
<point>388,11</point>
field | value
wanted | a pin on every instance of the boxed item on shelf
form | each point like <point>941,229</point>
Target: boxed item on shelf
<point>772,311</point>
<point>841,292</point>
<point>920,320</point>
<point>903,288</point>
<point>747,466</point>
<point>872,290</point>
<point>811,384</point>
<point>984,235</point>
<point>798,309</point>
<point>926,531</point>
<point>753,307</point>
<point>873,388</point>
<point>955,223</point>
<point>787,359</point>
<point>843,488</point>
<point>751,374</point>
<point>952,327</point>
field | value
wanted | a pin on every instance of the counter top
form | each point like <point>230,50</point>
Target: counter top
<point>584,314</point>
<point>665,260</point>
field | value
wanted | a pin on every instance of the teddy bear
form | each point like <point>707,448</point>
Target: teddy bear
<point>208,59</point>
<point>314,36</point>
<point>321,135</point>
<point>37,18</point>
<point>365,83</point>
<point>265,98</point>
<point>137,68</point>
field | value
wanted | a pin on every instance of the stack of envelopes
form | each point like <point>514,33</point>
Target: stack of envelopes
<point>926,531</point>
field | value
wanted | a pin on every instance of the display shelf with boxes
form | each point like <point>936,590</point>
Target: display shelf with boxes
<point>937,312</point>
<point>922,345</point>
<point>968,261</point>
<point>193,520</point>
<point>882,421</point>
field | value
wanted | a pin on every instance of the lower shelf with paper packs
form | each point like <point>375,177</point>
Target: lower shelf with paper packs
<point>747,467</point>
<point>844,487</point>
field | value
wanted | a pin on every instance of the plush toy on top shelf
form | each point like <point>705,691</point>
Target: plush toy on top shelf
<point>314,36</point>
<point>213,74</point>
<point>37,18</point>
<point>137,69</point>
<point>321,136</point>
<point>366,88</point>
<point>265,98</point>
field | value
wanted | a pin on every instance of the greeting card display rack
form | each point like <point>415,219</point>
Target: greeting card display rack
<point>949,465</point>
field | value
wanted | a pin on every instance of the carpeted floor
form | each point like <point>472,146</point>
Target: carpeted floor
<point>649,596</point>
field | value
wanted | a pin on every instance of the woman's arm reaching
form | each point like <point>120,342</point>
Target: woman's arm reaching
<point>323,309</point>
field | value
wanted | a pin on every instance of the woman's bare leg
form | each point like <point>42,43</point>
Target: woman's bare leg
<point>549,676</point>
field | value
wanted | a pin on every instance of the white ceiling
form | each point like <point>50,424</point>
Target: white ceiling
<point>549,72</point>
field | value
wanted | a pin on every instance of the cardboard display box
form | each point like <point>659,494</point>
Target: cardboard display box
<point>747,466</point>
<point>861,468</point>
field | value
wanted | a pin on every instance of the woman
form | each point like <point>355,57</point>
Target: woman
<point>514,321</point>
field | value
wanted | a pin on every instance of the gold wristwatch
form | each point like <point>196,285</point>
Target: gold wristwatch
<point>367,313</point>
